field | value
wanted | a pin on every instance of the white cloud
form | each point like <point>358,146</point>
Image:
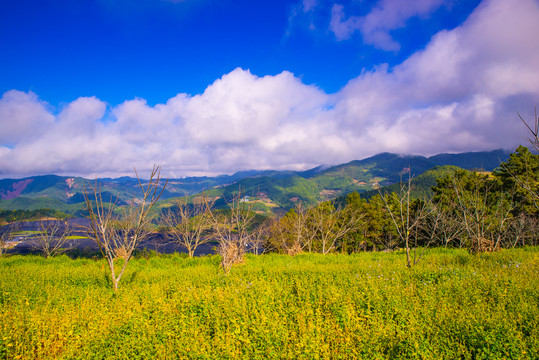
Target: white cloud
<point>386,15</point>
<point>22,117</point>
<point>342,28</point>
<point>460,93</point>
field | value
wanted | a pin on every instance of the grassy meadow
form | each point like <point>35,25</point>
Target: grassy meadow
<point>369,305</point>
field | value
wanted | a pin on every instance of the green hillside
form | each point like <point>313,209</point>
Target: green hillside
<point>275,189</point>
<point>364,176</point>
<point>25,203</point>
<point>67,193</point>
<point>421,185</point>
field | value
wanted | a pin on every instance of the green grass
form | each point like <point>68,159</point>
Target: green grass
<point>76,237</point>
<point>452,305</point>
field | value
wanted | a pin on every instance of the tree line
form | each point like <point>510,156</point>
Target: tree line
<point>477,210</point>
<point>9,216</point>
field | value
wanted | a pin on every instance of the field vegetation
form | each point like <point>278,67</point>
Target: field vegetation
<point>451,305</point>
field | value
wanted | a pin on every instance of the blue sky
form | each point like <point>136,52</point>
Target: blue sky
<point>207,87</point>
<point>118,50</point>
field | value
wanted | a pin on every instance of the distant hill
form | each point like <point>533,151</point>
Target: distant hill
<point>284,189</point>
<point>472,160</point>
<point>67,193</point>
<point>421,185</point>
<point>275,189</point>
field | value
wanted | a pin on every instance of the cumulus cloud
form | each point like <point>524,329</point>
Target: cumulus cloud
<point>386,15</point>
<point>23,117</point>
<point>460,93</point>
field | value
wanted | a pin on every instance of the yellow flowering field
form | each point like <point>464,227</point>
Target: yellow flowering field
<point>366,306</point>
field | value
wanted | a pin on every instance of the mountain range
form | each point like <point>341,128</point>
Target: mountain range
<point>274,189</point>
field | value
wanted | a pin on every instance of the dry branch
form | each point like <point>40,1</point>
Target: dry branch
<point>118,231</point>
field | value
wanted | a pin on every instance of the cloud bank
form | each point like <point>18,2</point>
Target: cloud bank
<point>460,93</point>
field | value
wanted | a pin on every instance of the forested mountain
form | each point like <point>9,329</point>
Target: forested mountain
<point>366,175</point>
<point>274,189</point>
<point>67,193</point>
<point>421,185</point>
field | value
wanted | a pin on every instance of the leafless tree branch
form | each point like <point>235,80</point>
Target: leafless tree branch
<point>118,231</point>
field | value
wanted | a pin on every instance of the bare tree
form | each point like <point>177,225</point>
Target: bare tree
<point>526,181</point>
<point>533,129</point>
<point>280,238</point>
<point>52,237</point>
<point>534,231</point>
<point>259,236</point>
<point>292,233</point>
<point>521,229</point>
<point>119,231</point>
<point>332,224</point>
<point>232,226</point>
<point>405,218</point>
<point>443,225</point>
<point>7,232</point>
<point>189,224</point>
<point>483,211</point>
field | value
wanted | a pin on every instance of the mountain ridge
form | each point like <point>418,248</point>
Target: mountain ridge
<point>280,189</point>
